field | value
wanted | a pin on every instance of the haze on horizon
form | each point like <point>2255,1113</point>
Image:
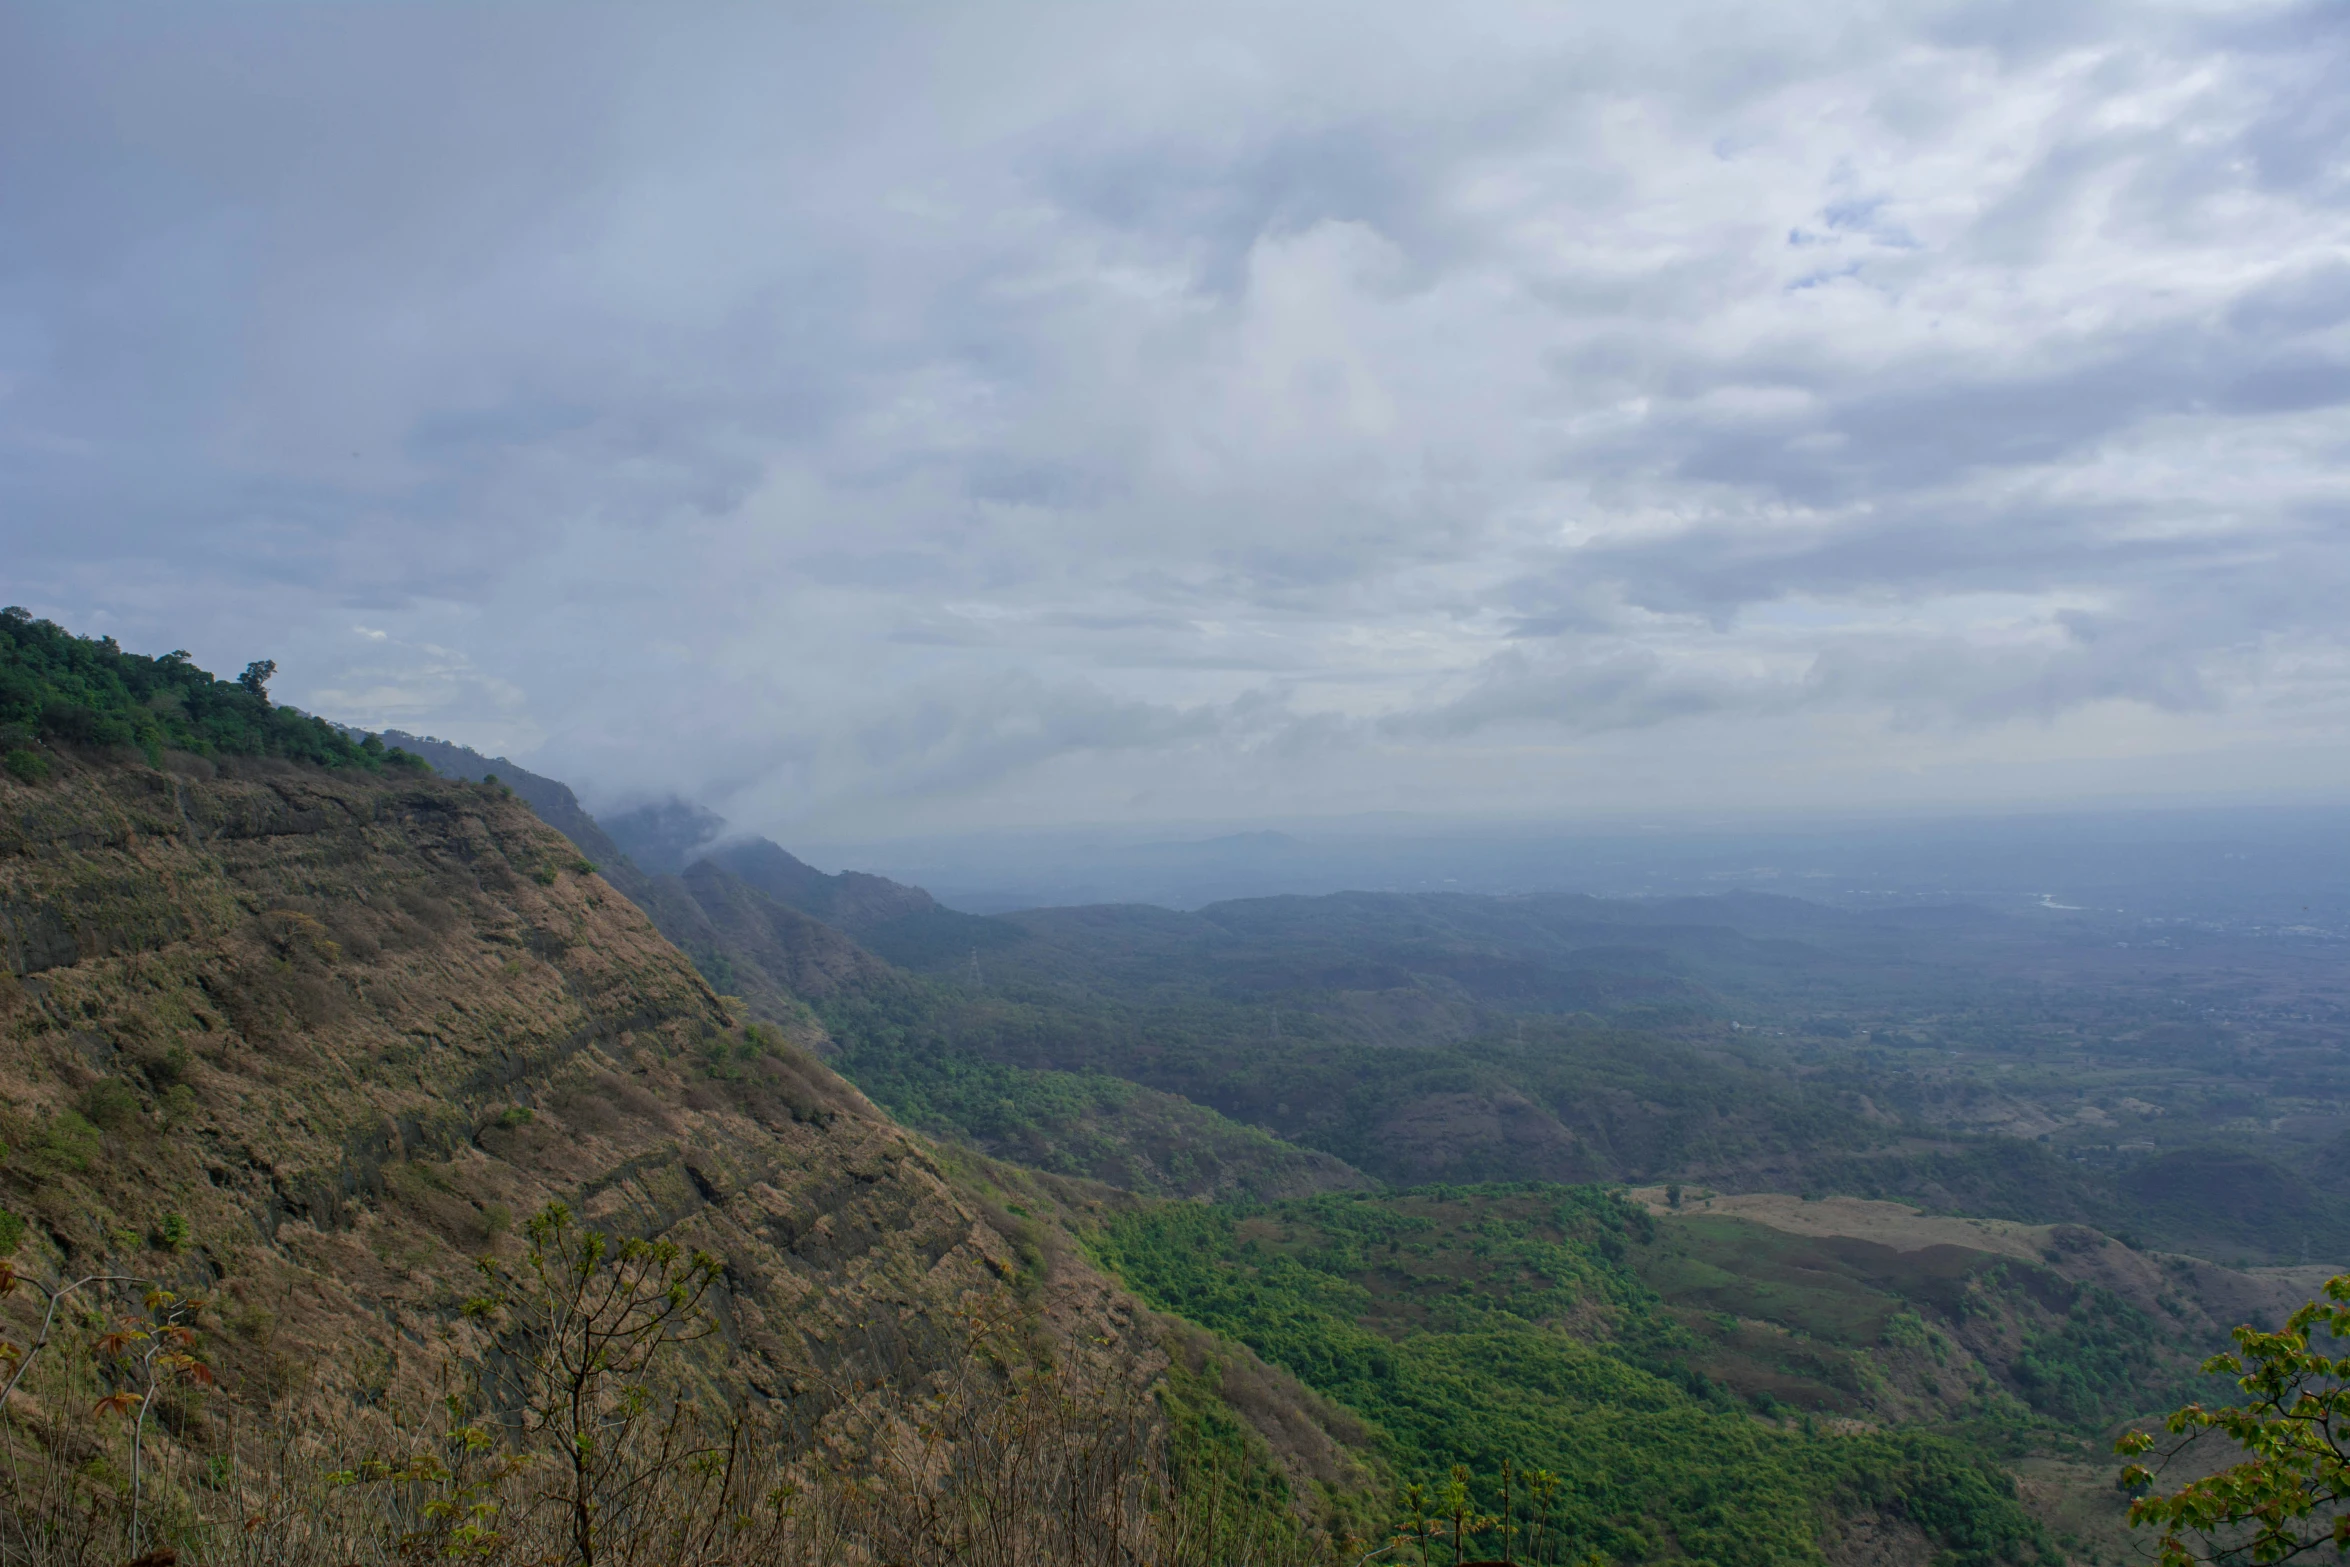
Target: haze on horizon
<point>870,422</point>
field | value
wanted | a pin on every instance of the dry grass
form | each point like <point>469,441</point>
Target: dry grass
<point>998,1462</point>
<point>1887,1223</point>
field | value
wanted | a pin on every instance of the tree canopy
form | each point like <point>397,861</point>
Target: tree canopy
<point>58,687</point>
<point>2290,1494</point>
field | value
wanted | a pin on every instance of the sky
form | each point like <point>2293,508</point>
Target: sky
<point>885,419</point>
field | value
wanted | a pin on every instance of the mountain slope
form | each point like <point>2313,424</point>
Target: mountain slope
<point>308,1042</point>
<point>339,1027</point>
<point>786,949</point>
<point>851,900</point>
<point>754,920</point>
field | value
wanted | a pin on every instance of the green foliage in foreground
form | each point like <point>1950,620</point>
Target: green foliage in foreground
<point>86,690</point>
<point>2289,1495</point>
<point>1469,1325</point>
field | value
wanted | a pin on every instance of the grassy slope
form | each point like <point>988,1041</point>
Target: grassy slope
<point>310,1040</point>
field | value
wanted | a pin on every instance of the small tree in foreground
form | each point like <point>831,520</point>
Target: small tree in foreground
<point>2291,1493</point>
<point>583,1326</point>
<point>149,1354</point>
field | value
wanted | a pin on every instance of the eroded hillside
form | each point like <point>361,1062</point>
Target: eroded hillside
<point>309,1042</point>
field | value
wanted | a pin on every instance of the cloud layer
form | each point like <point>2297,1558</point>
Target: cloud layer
<point>870,418</point>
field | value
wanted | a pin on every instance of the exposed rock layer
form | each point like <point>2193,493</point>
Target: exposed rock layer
<point>348,1029</point>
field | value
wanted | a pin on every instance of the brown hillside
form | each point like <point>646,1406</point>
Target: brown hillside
<point>340,1033</point>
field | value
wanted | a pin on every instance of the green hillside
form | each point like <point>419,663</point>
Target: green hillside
<point>1476,1325</point>
<point>55,686</point>
<point>1459,1038</point>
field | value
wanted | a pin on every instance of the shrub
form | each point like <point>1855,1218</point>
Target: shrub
<point>68,1142</point>
<point>109,1103</point>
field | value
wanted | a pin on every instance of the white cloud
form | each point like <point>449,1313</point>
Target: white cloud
<point>852,416</point>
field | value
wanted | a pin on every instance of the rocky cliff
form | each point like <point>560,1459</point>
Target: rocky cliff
<point>758,923</point>
<point>310,1041</point>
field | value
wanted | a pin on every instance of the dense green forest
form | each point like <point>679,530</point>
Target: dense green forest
<point>1632,1101</point>
<point>1476,1325</point>
<point>1043,1074</point>
<point>57,687</point>
<point>1455,1038</point>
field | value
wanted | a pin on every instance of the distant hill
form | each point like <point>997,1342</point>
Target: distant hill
<point>665,836</point>
<point>851,901</point>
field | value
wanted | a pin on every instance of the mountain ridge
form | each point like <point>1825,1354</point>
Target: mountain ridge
<point>305,1043</point>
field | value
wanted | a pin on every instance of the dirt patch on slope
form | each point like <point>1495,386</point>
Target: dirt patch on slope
<point>1887,1223</point>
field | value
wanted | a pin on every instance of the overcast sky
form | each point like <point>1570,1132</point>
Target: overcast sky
<point>893,418</point>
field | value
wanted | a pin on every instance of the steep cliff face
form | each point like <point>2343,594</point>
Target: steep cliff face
<point>310,1042</point>
<point>749,915</point>
<point>556,805</point>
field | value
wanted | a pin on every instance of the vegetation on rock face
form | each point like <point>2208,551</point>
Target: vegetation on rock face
<point>87,691</point>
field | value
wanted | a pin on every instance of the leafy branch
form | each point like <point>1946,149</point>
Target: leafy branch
<point>582,1324</point>
<point>151,1352</point>
<point>19,1359</point>
<point>2291,1493</point>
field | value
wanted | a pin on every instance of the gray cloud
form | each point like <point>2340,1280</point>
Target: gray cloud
<point>867,419</point>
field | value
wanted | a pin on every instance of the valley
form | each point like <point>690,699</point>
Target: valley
<point>1939,1170</point>
<point>1735,1229</point>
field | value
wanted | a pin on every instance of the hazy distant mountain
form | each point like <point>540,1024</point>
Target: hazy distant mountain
<point>665,836</point>
<point>852,900</point>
